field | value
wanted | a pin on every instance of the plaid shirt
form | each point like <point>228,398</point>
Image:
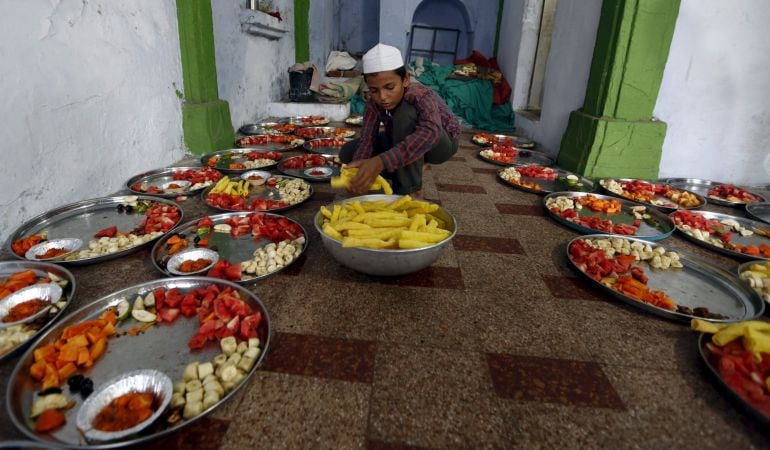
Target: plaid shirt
<point>432,114</point>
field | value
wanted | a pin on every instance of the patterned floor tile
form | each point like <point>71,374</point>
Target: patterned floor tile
<point>457,159</point>
<point>575,383</point>
<point>462,188</point>
<point>316,356</point>
<point>485,170</point>
<point>468,243</point>
<point>206,434</point>
<point>571,287</point>
<point>382,445</point>
<point>520,210</point>
<point>430,277</point>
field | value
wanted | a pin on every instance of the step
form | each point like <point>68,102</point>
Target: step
<point>335,112</point>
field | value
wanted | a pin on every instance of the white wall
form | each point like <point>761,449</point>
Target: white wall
<point>715,93</point>
<point>251,70</point>
<point>322,31</point>
<point>567,68</point>
<point>518,43</point>
<point>358,22</point>
<point>88,100</point>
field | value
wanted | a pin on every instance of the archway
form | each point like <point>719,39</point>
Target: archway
<point>441,31</point>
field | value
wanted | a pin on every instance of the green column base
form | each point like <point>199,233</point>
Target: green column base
<point>207,126</point>
<point>601,147</point>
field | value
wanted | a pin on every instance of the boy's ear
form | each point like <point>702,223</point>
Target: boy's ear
<point>406,80</point>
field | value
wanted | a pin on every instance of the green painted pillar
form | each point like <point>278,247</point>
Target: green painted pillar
<point>205,118</point>
<point>614,135</point>
<point>301,31</point>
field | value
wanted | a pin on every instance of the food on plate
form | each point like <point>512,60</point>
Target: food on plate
<point>616,263</point>
<point>287,140</point>
<point>327,142</point>
<point>126,411</point>
<point>719,233</point>
<point>732,193</point>
<point>401,224</point>
<point>500,153</point>
<point>283,127</point>
<point>318,132</point>
<point>569,209</point>
<point>490,139</point>
<point>348,173</point>
<point>757,275</point>
<point>20,246</point>
<point>194,265</point>
<point>513,175</point>
<point>253,160</point>
<point>310,120</point>
<point>652,193</point>
<point>52,253</point>
<point>198,179</point>
<point>25,309</point>
<point>355,120</point>
<point>740,354</point>
<point>310,160</point>
<point>281,192</point>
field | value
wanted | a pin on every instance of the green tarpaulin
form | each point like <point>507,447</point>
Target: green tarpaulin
<point>470,100</point>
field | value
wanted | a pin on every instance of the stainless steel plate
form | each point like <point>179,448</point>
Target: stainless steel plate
<point>159,177</point>
<point>669,206</point>
<point>163,347</point>
<point>711,361</point>
<point>657,228</point>
<point>736,238</point>
<point>312,146</point>
<point>548,186</point>
<point>305,121</point>
<point>324,132</point>
<point>265,192</point>
<point>702,187</point>
<point>41,269</point>
<point>300,173</point>
<point>83,219</point>
<point>258,128</point>
<point>516,141</point>
<point>236,156</point>
<point>522,157</point>
<point>274,142</point>
<point>232,249</point>
<point>759,211</point>
<point>698,284</point>
<point>355,120</point>
<point>763,290</point>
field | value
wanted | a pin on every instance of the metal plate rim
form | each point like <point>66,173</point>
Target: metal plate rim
<point>750,211</point>
<point>283,169</point>
<point>162,171</point>
<point>204,159</point>
<point>724,251</point>
<point>582,179</point>
<point>106,301</point>
<point>624,204</point>
<point>684,256</point>
<point>550,160</point>
<point>528,145</point>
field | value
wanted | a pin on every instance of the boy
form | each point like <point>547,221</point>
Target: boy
<point>419,127</point>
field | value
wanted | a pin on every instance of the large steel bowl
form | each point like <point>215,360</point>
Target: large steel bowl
<point>385,262</point>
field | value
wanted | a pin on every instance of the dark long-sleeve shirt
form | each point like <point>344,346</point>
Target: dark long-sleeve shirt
<point>432,114</point>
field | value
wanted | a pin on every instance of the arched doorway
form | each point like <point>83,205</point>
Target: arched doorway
<point>441,31</point>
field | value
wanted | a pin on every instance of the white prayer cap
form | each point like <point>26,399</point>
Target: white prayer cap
<point>381,58</point>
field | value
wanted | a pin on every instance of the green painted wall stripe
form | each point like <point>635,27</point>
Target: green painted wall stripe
<point>196,41</point>
<point>206,122</point>
<point>301,30</point>
<point>500,9</point>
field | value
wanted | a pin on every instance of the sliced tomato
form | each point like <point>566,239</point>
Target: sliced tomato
<point>107,232</point>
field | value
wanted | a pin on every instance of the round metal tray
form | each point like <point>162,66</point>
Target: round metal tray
<point>232,249</point>
<point>41,269</point>
<point>160,176</point>
<point>516,141</point>
<point>238,155</point>
<point>330,150</point>
<point>300,173</point>
<point>711,363</point>
<point>646,230</point>
<point>736,238</point>
<point>356,120</point>
<point>698,284</point>
<point>300,121</point>
<point>549,186</point>
<point>271,146</point>
<point>163,347</point>
<point>264,191</point>
<point>759,211</point>
<point>666,209</point>
<point>702,187</point>
<point>323,132</point>
<point>85,218</point>
<point>522,157</point>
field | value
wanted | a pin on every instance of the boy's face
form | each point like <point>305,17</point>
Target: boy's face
<point>387,88</point>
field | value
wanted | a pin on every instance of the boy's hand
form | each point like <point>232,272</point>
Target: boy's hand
<point>368,169</point>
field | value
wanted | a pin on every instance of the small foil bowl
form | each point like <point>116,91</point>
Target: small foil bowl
<point>262,174</point>
<point>69,244</point>
<point>191,255</point>
<point>49,292</point>
<point>145,380</point>
<point>182,186</point>
<point>318,172</point>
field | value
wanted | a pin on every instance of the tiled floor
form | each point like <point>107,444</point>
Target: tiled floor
<point>499,344</point>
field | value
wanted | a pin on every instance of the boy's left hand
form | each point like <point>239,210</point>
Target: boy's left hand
<point>368,169</point>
